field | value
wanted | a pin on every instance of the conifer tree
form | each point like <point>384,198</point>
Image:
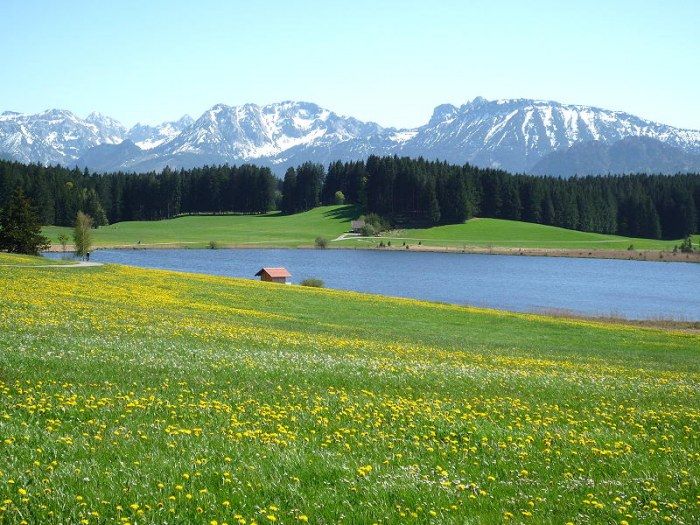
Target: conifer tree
<point>289,190</point>
<point>20,227</point>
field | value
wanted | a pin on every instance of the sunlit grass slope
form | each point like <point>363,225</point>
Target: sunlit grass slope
<point>267,230</point>
<point>331,221</point>
<point>515,234</point>
<point>140,396</point>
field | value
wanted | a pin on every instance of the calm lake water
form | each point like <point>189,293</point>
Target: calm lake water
<point>633,289</point>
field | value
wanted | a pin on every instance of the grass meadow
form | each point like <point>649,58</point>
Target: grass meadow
<point>330,222</point>
<point>138,396</point>
<point>516,234</point>
<point>273,229</point>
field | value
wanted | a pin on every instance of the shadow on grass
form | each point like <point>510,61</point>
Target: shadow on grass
<point>271,215</point>
<point>343,213</point>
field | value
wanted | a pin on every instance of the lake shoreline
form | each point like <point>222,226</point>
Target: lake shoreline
<point>664,324</point>
<point>631,255</point>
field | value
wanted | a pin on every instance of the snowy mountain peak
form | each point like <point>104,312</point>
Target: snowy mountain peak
<point>148,137</point>
<point>96,116</point>
<point>101,119</point>
<point>58,113</point>
<point>513,134</point>
<point>443,113</point>
<point>184,121</point>
<point>249,131</point>
<point>111,131</point>
<point>54,136</point>
<point>478,101</point>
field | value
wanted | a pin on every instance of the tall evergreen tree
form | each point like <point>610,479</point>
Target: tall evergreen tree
<point>20,227</point>
<point>308,186</point>
<point>289,191</point>
<point>510,200</point>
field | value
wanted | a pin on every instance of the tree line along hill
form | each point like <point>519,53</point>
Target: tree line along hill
<point>403,191</point>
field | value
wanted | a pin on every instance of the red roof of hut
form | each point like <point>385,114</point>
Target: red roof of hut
<point>274,272</point>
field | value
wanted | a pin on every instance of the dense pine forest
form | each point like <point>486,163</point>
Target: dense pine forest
<point>402,190</point>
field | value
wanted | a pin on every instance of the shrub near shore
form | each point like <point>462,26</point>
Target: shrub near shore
<point>153,396</point>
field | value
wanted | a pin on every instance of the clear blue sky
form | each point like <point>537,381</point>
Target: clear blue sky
<point>391,62</point>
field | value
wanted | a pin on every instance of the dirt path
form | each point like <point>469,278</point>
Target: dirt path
<point>346,236</point>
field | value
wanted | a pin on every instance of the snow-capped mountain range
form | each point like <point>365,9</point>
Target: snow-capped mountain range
<point>514,135</point>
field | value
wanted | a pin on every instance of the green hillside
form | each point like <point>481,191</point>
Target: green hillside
<point>272,229</point>
<point>331,221</point>
<point>515,234</point>
<point>137,396</point>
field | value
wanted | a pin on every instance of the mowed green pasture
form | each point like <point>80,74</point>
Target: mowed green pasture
<point>273,229</point>
<point>141,396</point>
<point>516,234</point>
<point>301,229</point>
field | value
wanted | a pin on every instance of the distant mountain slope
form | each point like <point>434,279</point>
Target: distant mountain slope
<point>511,134</point>
<point>251,133</point>
<point>106,157</point>
<point>629,155</point>
<point>149,137</point>
<point>516,134</point>
<point>55,136</point>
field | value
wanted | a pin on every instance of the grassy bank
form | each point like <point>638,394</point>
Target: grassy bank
<point>331,221</point>
<point>142,396</point>
<point>272,229</point>
<point>515,234</point>
<point>7,259</point>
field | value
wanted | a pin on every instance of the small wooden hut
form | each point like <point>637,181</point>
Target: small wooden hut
<point>274,275</point>
<point>356,226</point>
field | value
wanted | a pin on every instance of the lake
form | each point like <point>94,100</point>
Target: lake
<point>595,287</point>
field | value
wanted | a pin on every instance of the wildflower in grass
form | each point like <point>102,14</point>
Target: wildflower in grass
<point>232,390</point>
<point>364,470</point>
